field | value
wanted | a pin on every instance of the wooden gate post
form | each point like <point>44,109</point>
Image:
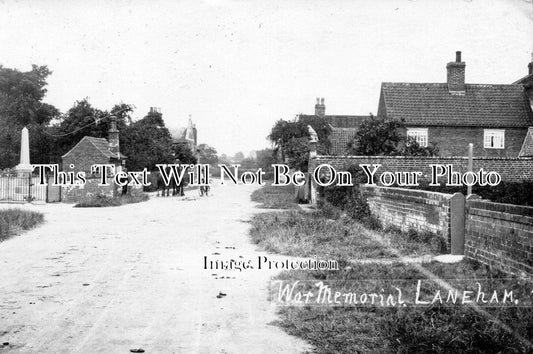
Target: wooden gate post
<point>457,224</point>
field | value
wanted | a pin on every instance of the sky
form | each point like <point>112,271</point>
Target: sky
<point>239,66</point>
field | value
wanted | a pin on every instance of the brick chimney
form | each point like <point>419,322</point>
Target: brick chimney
<point>113,136</point>
<point>530,65</point>
<point>320,108</point>
<point>456,75</point>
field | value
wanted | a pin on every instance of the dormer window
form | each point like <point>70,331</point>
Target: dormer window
<point>419,134</point>
<point>494,139</point>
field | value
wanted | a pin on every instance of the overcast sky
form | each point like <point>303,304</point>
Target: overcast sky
<point>238,66</point>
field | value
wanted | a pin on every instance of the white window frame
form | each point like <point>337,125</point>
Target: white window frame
<point>420,135</point>
<point>494,138</point>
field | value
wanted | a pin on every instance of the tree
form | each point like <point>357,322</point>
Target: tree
<point>378,136</point>
<point>265,159</point>
<point>207,154</point>
<point>412,148</point>
<point>147,142</point>
<point>21,104</point>
<point>85,120</point>
<point>291,139</point>
<point>183,154</point>
<point>238,157</point>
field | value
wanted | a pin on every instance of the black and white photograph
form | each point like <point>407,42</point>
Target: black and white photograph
<point>284,176</point>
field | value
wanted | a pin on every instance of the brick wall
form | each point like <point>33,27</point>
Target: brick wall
<point>411,209</point>
<point>496,234</point>
<point>500,235</point>
<point>510,169</point>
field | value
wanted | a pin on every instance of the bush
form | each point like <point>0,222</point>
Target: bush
<point>12,221</point>
<point>351,200</point>
<point>100,200</point>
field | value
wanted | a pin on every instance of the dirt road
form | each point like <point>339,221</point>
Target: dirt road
<point>113,279</point>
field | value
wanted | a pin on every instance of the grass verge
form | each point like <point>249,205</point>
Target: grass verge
<point>272,197</point>
<point>437,328</point>
<point>97,201</point>
<point>431,328</point>
<point>298,233</point>
<point>13,221</point>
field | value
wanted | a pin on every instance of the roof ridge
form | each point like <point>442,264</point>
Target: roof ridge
<point>444,83</point>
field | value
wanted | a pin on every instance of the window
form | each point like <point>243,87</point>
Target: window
<point>419,134</point>
<point>494,139</point>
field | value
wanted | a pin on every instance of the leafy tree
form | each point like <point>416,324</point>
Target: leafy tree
<point>21,104</point>
<point>207,154</point>
<point>248,163</point>
<point>183,154</point>
<point>412,148</point>
<point>85,120</point>
<point>238,157</point>
<point>291,139</point>
<point>378,136</point>
<point>265,159</point>
<point>224,160</point>
<point>147,142</point>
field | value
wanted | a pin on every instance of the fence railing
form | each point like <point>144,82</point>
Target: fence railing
<point>27,189</point>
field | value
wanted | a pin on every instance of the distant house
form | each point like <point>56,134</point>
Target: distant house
<point>495,118</point>
<point>90,150</point>
<point>343,127</point>
<point>186,136</point>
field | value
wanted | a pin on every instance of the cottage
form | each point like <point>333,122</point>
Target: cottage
<point>343,127</point>
<point>90,150</point>
<point>495,118</point>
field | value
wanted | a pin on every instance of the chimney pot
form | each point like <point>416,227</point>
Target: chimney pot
<point>320,109</point>
<point>458,56</point>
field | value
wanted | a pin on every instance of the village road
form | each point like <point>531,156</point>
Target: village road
<point>107,280</point>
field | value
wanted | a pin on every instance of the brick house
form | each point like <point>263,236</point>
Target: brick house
<point>90,150</point>
<point>495,118</point>
<point>343,127</point>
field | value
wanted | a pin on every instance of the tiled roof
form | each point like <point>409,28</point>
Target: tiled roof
<point>100,144</point>
<point>526,80</point>
<point>339,138</point>
<point>421,104</point>
<point>527,147</point>
<point>341,121</point>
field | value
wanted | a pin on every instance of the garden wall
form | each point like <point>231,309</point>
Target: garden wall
<point>496,234</point>
<point>500,235</point>
<point>411,209</point>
